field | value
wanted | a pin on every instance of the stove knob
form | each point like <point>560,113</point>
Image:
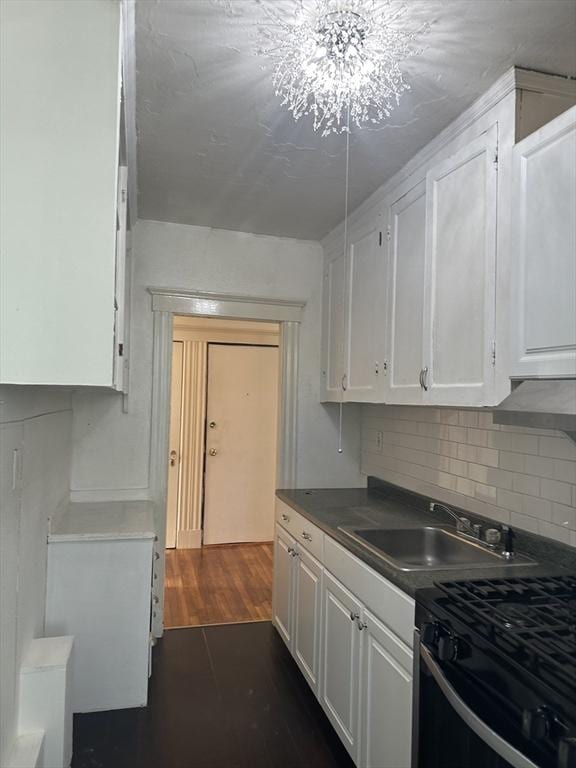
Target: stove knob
<point>448,648</point>
<point>429,633</point>
<point>567,753</point>
<point>536,723</point>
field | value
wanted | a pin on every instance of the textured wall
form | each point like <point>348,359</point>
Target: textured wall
<point>111,449</point>
<point>36,423</point>
<point>525,477</point>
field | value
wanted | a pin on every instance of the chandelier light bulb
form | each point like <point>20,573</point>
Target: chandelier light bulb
<point>338,61</point>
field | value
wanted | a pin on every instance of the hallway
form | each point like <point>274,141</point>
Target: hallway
<point>218,585</point>
<point>220,697</point>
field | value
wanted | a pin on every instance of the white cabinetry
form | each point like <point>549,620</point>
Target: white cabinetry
<point>99,590</point>
<point>385,697</point>
<point>405,304</point>
<point>350,632</point>
<point>341,661</point>
<point>61,229</point>
<point>334,324</point>
<point>460,275</point>
<point>354,318</point>
<point>307,615</point>
<point>544,251</point>
<point>297,595</point>
<point>282,606</point>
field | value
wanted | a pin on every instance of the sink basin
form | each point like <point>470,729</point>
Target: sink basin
<point>428,549</point>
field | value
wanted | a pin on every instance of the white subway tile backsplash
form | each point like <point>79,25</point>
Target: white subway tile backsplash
<point>558,448</point>
<point>512,474</point>
<point>512,461</point>
<point>555,491</point>
<point>526,484</point>
<point>564,516</point>
<point>536,465</point>
<point>478,455</point>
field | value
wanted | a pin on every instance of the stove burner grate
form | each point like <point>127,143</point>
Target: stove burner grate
<point>532,617</point>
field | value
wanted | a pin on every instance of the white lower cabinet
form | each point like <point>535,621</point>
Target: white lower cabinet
<point>297,603</point>
<point>350,642</point>
<point>385,698</point>
<point>283,584</point>
<point>341,661</point>
<point>307,615</point>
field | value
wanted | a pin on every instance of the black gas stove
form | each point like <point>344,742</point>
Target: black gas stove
<point>496,682</point>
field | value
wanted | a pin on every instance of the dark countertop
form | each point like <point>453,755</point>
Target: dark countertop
<point>387,506</point>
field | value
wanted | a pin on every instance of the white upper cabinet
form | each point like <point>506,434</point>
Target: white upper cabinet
<point>354,318</point>
<point>544,251</point>
<point>460,275</point>
<point>426,317</point>
<point>334,328</point>
<point>365,315</point>
<point>405,303</point>
<point>60,219</point>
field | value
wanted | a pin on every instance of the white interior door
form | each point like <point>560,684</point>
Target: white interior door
<point>240,479</point>
<point>175,432</point>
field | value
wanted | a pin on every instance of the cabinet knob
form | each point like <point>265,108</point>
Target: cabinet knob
<point>285,517</point>
<point>361,624</point>
<point>173,457</point>
<point>212,425</point>
<point>307,536</point>
<point>354,616</point>
<point>212,451</point>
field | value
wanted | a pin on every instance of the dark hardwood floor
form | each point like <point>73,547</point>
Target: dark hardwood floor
<point>220,697</point>
<point>218,585</point>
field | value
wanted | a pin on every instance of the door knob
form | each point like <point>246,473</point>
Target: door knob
<point>173,457</point>
<point>212,451</point>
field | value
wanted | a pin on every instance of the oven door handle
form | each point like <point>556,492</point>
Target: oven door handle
<point>491,738</point>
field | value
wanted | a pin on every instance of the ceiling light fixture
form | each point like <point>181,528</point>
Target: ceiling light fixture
<point>338,60</point>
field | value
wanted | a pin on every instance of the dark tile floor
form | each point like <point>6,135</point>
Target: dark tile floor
<point>221,697</point>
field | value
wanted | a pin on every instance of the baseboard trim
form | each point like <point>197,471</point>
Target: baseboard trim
<point>111,494</point>
<point>189,539</point>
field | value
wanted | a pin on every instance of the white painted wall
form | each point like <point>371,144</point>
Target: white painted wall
<point>521,476</point>
<point>111,449</point>
<point>37,423</point>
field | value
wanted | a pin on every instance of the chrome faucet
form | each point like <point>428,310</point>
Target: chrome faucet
<point>493,536</point>
<point>462,523</point>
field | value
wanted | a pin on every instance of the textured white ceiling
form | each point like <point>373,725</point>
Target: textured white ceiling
<point>215,148</point>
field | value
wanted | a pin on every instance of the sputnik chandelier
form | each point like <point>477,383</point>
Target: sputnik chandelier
<point>338,61</point>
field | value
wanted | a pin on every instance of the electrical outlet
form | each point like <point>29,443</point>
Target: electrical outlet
<point>379,441</point>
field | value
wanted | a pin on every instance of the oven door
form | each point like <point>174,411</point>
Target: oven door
<point>450,729</point>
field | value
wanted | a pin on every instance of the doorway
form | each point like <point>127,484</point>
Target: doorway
<point>222,471</point>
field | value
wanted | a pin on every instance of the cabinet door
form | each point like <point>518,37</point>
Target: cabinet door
<point>334,327</point>
<point>341,661</point>
<point>307,615</point>
<point>282,598</point>
<point>544,248</point>
<point>406,297</point>
<point>121,286</point>
<point>385,698</point>
<point>460,275</point>
<point>365,334</point>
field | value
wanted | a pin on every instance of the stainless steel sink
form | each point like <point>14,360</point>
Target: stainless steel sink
<point>428,549</point>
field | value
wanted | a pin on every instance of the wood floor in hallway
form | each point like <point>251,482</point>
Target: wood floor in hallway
<point>218,585</point>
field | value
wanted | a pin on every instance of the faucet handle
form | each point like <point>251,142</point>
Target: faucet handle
<point>463,525</point>
<point>492,536</point>
<point>508,536</point>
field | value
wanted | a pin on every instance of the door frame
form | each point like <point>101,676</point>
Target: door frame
<point>169,302</point>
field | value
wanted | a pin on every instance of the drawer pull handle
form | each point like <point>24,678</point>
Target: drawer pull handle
<point>361,624</point>
<point>354,616</point>
<point>285,517</point>
<point>307,536</point>
<point>290,550</point>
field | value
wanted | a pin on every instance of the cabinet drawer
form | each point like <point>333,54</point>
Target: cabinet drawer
<point>305,532</point>
<point>385,601</point>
